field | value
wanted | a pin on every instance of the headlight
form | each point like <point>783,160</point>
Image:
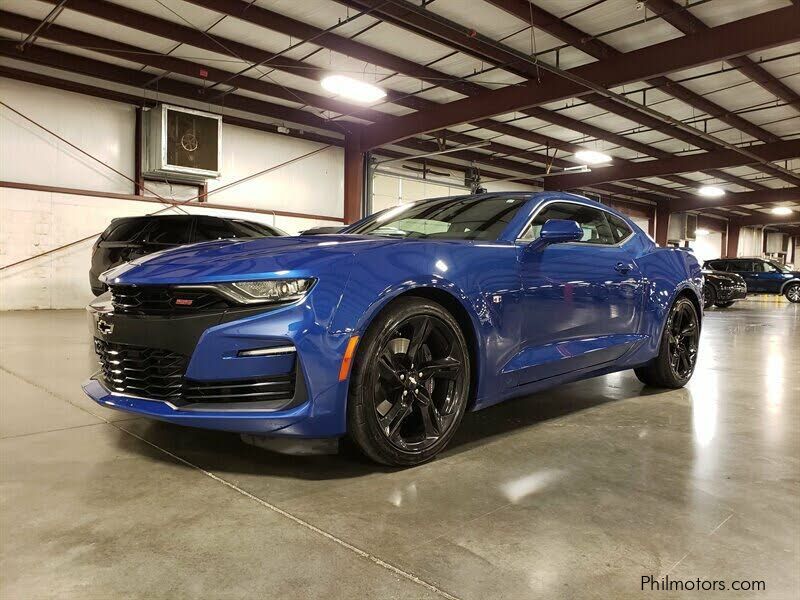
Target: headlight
<point>267,290</point>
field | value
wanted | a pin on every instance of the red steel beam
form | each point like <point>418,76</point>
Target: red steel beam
<point>128,52</point>
<point>767,219</point>
<point>527,12</point>
<point>276,22</point>
<point>740,199</point>
<point>683,20</point>
<point>766,30</point>
<point>132,77</point>
<point>714,159</point>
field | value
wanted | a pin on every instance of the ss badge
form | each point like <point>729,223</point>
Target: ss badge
<point>104,327</point>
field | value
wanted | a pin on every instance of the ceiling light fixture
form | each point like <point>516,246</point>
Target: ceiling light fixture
<point>782,210</point>
<point>352,89</point>
<point>711,191</point>
<point>592,157</point>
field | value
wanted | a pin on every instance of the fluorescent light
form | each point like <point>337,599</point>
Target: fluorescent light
<point>701,231</point>
<point>347,87</point>
<point>711,191</point>
<point>782,210</point>
<point>591,157</point>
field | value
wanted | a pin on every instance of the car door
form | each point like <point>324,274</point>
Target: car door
<point>582,301</point>
<point>770,278</point>
<point>747,270</point>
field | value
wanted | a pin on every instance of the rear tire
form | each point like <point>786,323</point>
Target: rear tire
<point>709,296</point>
<point>727,304</point>
<point>675,363</point>
<point>792,292</point>
<point>410,383</point>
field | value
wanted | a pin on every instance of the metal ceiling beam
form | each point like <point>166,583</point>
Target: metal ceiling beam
<point>131,53</point>
<point>766,30</point>
<point>767,219</point>
<point>116,96</point>
<point>138,79</point>
<point>714,159</point>
<point>683,20</point>
<point>529,13</point>
<point>274,21</point>
<point>424,22</point>
<point>740,199</point>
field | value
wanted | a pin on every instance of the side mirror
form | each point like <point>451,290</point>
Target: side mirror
<point>557,231</point>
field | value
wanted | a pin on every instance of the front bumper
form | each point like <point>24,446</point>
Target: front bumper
<point>211,343</point>
<point>727,294</point>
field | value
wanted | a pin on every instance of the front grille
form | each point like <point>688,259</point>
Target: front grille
<point>164,300</point>
<point>160,374</point>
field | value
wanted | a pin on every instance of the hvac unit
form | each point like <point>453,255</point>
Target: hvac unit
<point>682,227</point>
<point>182,144</point>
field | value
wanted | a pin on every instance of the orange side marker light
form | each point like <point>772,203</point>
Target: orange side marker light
<point>347,360</point>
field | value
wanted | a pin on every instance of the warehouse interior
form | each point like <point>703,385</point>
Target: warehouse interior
<point>683,115</point>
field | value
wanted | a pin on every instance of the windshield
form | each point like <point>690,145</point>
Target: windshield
<point>780,268</point>
<point>465,218</point>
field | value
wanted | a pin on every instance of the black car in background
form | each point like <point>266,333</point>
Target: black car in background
<point>127,238</point>
<point>762,276</point>
<point>722,289</point>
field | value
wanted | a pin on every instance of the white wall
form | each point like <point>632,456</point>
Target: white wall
<point>707,247</point>
<point>32,222</point>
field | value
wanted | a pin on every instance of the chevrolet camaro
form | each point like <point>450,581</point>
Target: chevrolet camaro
<point>391,330</point>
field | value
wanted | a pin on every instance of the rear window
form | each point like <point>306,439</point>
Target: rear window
<point>716,265</point>
<point>170,230</point>
<point>126,231</point>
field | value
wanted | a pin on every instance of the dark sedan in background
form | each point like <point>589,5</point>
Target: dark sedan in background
<point>722,289</point>
<point>762,276</point>
<point>127,238</point>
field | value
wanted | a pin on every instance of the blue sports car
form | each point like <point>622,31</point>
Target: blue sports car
<point>391,330</point>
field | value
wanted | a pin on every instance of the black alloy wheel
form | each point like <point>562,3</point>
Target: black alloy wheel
<point>792,292</point>
<point>410,383</point>
<point>680,341</point>
<point>683,334</point>
<point>709,295</point>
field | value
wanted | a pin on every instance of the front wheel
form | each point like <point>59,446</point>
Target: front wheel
<point>410,383</point>
<point>674,365</point>
<point>727,304</point>
<point>792,292</point>
<point>709,296</point>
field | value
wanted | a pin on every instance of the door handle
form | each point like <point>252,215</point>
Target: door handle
<point>623,268</point>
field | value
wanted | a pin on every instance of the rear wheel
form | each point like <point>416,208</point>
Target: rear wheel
<point>674,365</point>
<point>410,383</point>
<point>792,292</point>
<point>724,304</point>
<point>709,296</point>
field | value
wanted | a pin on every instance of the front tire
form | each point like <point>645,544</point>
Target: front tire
<point>792,292</point>
<point>727,304</point>
<point>709,296</point>
<point>410,383</point>
<point>674,365</point>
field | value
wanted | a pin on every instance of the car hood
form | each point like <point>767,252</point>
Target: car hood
<point>724,276</point>
<point>232,260</point>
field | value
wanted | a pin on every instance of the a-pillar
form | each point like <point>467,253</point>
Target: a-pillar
<point>662,225</point>
<point>733,240</point>
<point>353,177</point>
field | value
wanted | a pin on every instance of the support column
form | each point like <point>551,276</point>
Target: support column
<point>353,177</point>
<point>733,240</point>
<point>138,187</point>
<point>662,225</point>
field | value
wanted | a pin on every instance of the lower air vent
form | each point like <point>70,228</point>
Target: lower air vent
<point>160,375</point>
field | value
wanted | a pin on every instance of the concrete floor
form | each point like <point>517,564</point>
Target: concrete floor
<point>573,493</point>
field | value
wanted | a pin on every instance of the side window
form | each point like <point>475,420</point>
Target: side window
<point>761,266</point>
<point>619,228</point>
<point>717,265</point>
<point>740,266</point>
<point>212,229</point>
<point>596,229</point>
<point>170,230</point>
